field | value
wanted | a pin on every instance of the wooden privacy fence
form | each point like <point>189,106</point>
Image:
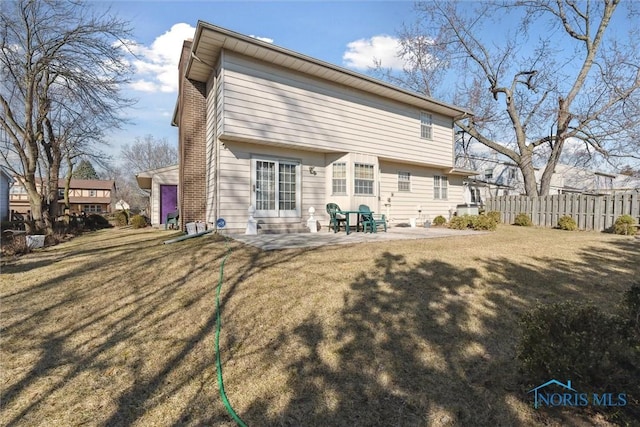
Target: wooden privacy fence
<point>590,212</point>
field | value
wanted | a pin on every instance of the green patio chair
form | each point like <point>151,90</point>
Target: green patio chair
<point>335,218</point>
<point>172,220</point>
<point>370,221</point>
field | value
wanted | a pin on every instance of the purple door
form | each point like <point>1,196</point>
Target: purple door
<point>168,201</point>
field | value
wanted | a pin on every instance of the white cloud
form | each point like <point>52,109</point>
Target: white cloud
<point>156,66</point>
<point>143,86</point>
<point>362,53</point>
<point>264,39</point>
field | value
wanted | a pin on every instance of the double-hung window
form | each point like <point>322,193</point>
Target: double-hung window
<point>488,173</point>
<point>363,179</point>
<point>339,179</point>
<point>404,181</point>
<point>440,187</point>
<point>426,124</point>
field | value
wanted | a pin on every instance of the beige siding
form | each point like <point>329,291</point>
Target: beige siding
<point>211,139</point>
<point>277,106</point>
<point>219,99</point>
<point>235,178</point>
<point>404,205</point>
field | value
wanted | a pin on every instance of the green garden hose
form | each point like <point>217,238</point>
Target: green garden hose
<point>223,395</point>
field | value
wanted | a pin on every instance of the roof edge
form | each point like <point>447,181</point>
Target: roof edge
<point>456,112</point>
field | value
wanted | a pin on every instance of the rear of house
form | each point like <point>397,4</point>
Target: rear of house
<point>269,128</point>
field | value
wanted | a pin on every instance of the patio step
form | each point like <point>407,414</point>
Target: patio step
<point>282,228</point>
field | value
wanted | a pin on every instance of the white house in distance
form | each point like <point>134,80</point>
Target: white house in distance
<point>504,178</point>
<point>263,126</point>
<point>162,186</point>
<point>496,178</point>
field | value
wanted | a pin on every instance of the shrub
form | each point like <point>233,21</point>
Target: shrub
<point>14,245</point>
<point>120,218</point>
<point>624,225</point>
<point>631,309</point>
<point>567,223</point>
<point>439,220</point>
<point>572,340</point>
<point>483,222</point>
<point>495,215</point>
<point>522,219</point>
<point>12,225</point>
<point>96,222</point>
<point>138,221</point>
<point>459,222</point>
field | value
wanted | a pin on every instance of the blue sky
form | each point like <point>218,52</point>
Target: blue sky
<point>346,33</point>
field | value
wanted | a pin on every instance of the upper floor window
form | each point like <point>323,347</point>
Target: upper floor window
<point>404,181</point>
<point>17,189</point>
<point>363,179</point>
<point>426,123</point>
<point>488,173</point>
<point>440,187</point>
<point>339,178</point>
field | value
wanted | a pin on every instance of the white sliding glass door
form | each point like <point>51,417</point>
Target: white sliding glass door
<point>276,188</point>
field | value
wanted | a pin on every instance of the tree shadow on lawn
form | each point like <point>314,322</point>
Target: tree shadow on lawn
<point>114,350</point>
<point>428,343</point>
<point>103,244</point>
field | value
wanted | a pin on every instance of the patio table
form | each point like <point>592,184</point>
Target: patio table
<point>347,214</point>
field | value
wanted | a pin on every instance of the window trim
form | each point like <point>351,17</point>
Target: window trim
<point>404,181</point>
<point>334,179</point>
<point>426,125</point>
<point>356,179</point>
<point>488,173</point>
<point>440,187</point>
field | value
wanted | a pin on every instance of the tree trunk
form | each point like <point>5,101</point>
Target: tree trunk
<point>67,186</point>
<point>528,174</point>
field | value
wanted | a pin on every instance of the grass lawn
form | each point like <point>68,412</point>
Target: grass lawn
<point>114,328</point>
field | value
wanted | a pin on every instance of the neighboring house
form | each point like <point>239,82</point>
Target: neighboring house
<point>85,195</point>
<point>624,183</point>
<point>263,126</point>
<point>5,183</point>
<point>121,205</point>
<point>574,179</point>
<point>162,186</point>
<point>503,178</point>
<point>497,178</point>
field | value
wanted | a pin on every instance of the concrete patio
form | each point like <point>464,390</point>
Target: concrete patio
<point>269,242</point>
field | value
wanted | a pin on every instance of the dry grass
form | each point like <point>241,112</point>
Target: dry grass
<point>114,328</point>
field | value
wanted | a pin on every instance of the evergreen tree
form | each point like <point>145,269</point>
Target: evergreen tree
<point>85,170</point>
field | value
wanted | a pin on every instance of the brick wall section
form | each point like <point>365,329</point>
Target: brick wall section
<point>191,144</point>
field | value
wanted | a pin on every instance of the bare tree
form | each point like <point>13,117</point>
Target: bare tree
<point>553,78</point>
<point>148,153</point>
<point>60,64</point>
<point>143,154</point>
